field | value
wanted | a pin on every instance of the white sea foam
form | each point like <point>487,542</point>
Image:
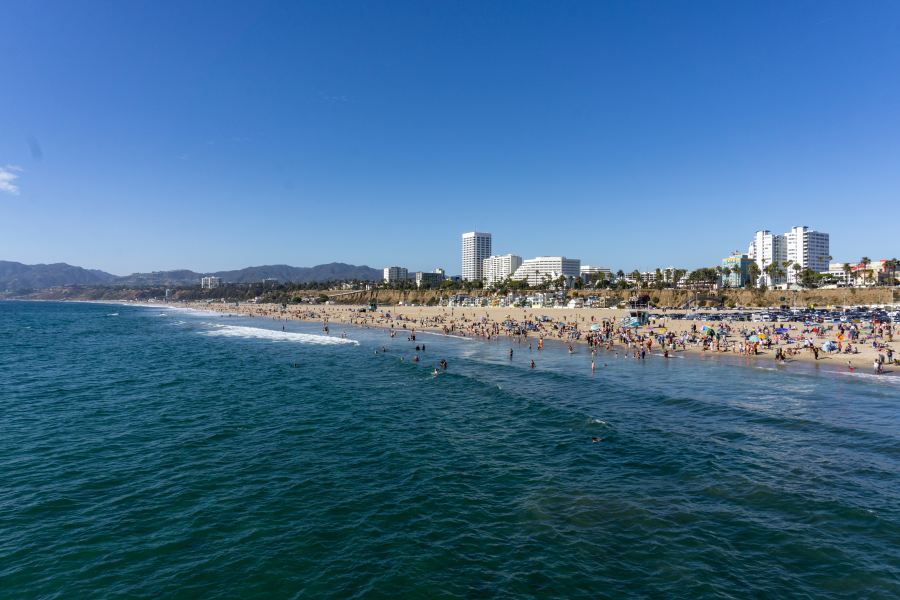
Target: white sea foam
<point>274,335</point>
<point>449,335</point>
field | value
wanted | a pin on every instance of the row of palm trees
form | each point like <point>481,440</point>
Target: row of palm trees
<point>868,274</point>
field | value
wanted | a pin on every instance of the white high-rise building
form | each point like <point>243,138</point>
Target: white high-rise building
<point>395,274</point>
<point>765,249</point>
<point>476,246</point>
<point>548,268</point>
<point>809,249</point>
<point>210,282</point>
<point>497,268</point>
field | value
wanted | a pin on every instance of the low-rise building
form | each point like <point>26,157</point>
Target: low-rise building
<point>395,274</point>
<point>429,280</point>
<point>588,273</point>
<point>738,273</point>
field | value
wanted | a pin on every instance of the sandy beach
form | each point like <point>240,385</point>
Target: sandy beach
<point>602,328</point>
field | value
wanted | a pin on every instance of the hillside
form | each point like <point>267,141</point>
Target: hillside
<point>15,276</point>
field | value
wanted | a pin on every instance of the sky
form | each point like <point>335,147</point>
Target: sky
<point>151,135</point>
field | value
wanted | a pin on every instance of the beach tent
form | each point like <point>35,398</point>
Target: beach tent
<point>753,338</point>
<point>595,327</point>
<point>781,330</point>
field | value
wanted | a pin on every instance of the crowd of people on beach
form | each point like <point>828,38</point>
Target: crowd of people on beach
<point>781,341</point>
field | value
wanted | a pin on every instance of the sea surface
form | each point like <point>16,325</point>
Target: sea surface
<point>158,453</point>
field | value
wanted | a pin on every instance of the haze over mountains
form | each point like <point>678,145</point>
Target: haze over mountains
<point>17,276</point>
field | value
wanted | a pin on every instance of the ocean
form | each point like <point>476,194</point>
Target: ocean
<point>152,452</point>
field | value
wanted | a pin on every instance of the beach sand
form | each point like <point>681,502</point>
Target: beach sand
<point>484,322</point>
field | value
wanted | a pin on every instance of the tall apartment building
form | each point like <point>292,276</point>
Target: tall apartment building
<point>395,274</point>
<point>210,282</point>
<point>766,248</point>
<point>497,268</point>
<point>809,249</point>
<point>543,268</point>
<point>476,246</point>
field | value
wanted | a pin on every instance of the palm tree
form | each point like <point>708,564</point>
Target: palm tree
<point>774,271</point>
<point>846,269</point>
<point>892,265</point>
<point>726,276</point>
<point>753,274</point>
<point>865,261</point>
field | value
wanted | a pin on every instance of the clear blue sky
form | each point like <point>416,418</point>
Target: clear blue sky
<point>210,135</point>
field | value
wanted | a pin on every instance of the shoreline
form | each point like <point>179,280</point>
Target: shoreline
<point>434,321</point>
<point>437,321</point>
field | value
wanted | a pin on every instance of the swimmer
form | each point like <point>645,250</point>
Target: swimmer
<point>596,440</point>
<point>435,372</point>
<point>532,364</point>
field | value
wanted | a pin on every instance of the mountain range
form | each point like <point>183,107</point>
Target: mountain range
<point>16,276</point>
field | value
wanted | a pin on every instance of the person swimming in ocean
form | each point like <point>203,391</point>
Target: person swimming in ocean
<point>596,440</point>
<point>532,364</point>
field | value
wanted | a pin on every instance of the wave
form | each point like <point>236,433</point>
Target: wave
<point>240,331</point>
<point>449,335</point>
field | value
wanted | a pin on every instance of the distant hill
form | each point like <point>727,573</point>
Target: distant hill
<point>158,278</point>
<point>329,272</point>
<point>17,276</point>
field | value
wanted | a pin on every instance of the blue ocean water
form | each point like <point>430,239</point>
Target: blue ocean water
<point>147,452</point>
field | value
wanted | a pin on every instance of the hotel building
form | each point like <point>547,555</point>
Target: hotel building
<point>809,249</point>
<point>548,268</point>
<point>497,268</point>
<point>476,246</point>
